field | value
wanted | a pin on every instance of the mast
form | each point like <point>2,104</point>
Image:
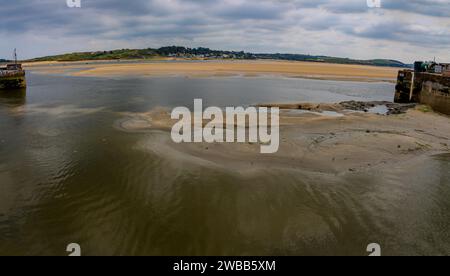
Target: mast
<point>15,56</point>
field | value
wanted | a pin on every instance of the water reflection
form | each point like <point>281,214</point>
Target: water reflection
<point>66,175</point>
<point>13,98</point>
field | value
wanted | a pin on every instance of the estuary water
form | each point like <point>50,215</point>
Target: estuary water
<point>68,176</point>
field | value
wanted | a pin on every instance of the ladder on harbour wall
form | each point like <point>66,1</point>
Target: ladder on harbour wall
<point>411,91</point>
<point>404,90</point>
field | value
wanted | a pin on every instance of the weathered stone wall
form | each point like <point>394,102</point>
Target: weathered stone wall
<point>429,89</point>
<point>12,80</point>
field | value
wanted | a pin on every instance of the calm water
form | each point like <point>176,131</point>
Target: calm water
<point>67,175</point>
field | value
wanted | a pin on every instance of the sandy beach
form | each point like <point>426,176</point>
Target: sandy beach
<point>351,143</point>
<point>219,68</point>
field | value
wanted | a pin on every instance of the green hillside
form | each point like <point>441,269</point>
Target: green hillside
<point>206,53</point>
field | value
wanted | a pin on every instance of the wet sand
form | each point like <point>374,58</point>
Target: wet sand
<point>220,68</point>
<point>310,142</point>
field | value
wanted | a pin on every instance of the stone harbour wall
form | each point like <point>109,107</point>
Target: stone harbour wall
<point>424,88</point>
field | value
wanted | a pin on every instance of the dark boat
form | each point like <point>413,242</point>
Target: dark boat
<point>12,76</point>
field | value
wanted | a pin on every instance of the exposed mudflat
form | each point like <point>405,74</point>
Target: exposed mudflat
<point>312,141</point>
<point>377,107</point>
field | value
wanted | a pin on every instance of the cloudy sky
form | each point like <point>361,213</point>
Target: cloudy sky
<point>402,29</point>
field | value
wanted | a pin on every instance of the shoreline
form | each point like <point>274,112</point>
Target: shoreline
<point>200,69</point>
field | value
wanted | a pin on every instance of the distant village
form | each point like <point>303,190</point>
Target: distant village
<point>202,53</point>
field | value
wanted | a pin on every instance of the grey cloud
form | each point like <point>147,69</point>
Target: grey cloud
<point>267,25</point>
<point>439,8</point>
